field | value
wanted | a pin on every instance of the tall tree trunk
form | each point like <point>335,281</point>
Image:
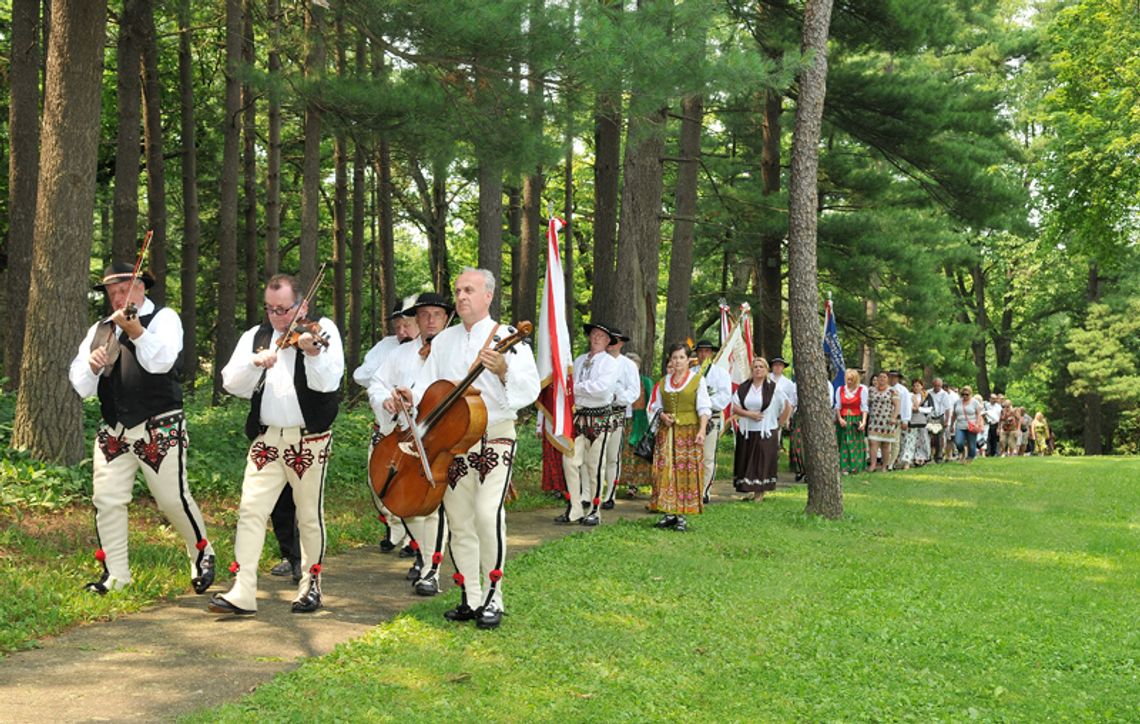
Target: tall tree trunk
<point>273,152</point>
<point>340,193</point>
<point>124,241</point>
<point>155,160</point>
<point>191,230</point>
<point>226,333</point>
<point>825,493</point>
<point>359,186</point>
<point>607,171</point>
<point>525,295</point>
<point>870,311</point>
<point>771,329</point>
<point>1093,437</point>
<point>514,235</point>
<point>23,168</point>
<point>491,223</point>
<point>249,175</point>
<point>388,292</point>
<point>982,319</point>
<point>568,229</point>
<point>311,163</point>
<point>677,326</point>
<point>639,239</point>
<point>49,417</point>
<point>437,241</point>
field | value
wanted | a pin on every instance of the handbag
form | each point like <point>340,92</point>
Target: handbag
<point>648,441</point>
<point>935,428</point>
<point>973,426</point>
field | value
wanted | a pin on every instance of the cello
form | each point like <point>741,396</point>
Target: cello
<point>408,469</point>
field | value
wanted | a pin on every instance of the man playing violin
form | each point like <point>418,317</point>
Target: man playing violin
<point>432,313</point>
<point>134,371</point>
<point>291,375</point>
<point>478,481</point>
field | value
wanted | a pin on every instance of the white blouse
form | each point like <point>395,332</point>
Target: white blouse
<point>704,402</point>
<point>770,422</point>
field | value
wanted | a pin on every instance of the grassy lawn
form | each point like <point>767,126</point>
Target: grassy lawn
<point>47,524</point>
<point>1006,590</point>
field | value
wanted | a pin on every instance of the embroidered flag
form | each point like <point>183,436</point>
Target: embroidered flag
<point>832,350</point>
<point>556,400</point>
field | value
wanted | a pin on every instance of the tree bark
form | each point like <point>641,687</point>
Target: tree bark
<point>23,168</point>
<point>340,194</point>
<point>568,230</point>
<point>1092,437</point>
<point>825,493</point>
<point>311,162</point>
<point>677,324</point>
<point>607,169</point>
<point>514,236</point>
<point>191,230</point>
<point>437,240</point>
<point>386,280</point>
<point>124,234</point>
<point>155,161</point>
<point>356,281</point>
<point>273,152</point>
<point>226,333</point>
<point>982,319</point>
<point>49,416</point>
<point>491,223</point>
<point>525,295</point>
<point>770,329</point>
<point>249,175</point>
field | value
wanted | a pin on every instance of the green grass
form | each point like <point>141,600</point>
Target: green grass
<point>47,525</point>
<point>1002,591</point>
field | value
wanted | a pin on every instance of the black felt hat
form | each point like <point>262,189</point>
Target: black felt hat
<point>429,299</point>
<point>622,336</point>
<point>398,311</point>
<point>778,360</point>
<point>705,344</point>
<point>121,271</point>
<point>605,328</point>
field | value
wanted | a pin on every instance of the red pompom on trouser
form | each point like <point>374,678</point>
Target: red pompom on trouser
<point>100,555</point>
<point>201,544</point>
<point>495,575</point>
<point>315,569</point>
<point>566,495</point>
<point>458,578</point>
<point>436,558</point>
<point>234,567</point>
<point>597,501</point>
<point>415,545</point>
<point>383,518</point>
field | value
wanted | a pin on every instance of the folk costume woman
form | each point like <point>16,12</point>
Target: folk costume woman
<point>850,424</point>
<point>762,408</point>
<point>685,407</point>
<point>883,414</point>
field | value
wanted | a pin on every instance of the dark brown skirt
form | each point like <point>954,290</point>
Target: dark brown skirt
<point>754,465</point>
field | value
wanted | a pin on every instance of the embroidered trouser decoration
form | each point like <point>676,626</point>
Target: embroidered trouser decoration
<point>474,510</point>
<point>584,471</point>
<point>159,452</point>
<point>302,463</point>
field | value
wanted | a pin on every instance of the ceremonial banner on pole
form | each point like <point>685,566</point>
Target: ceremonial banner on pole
<point>745,325</point>
<point>556,400</point>
<point>831,349</point>
<point>725,322</point>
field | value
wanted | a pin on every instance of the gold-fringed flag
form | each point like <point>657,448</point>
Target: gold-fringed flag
<point>556,400</point>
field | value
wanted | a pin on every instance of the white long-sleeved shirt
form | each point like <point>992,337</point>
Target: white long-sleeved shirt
<point>156,349</point>
<point>279,405</point>
<point>904,404</point>
<point>454,351</point>
<point>719,386</point>
<point>656,404</point>
<point>629,384</point>
<point>788,388</point>
<point>595,380</point>
<point>401,368</point>
<point>375,357</point>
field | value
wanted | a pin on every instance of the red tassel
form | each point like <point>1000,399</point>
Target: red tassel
<point>566,495</point>
<point>201,545</point>
<point>495,575</point>
<point>596,501</point>
<point>234,567</point>
<point>458,578</point>
<point>436,558</point>
<point>415,545</point>
<point>315,569</point>
<point>100,555</point>
<point>383,518</point>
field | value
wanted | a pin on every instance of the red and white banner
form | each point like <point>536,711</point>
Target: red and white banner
<point>556,400</point>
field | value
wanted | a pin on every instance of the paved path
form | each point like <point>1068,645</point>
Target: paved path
<point>175,657</point>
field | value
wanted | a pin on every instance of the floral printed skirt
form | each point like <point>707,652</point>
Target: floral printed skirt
<point>677,471</point>
<point>852,445</point>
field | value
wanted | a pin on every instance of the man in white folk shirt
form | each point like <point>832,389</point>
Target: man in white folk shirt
<point>627,391</point>
<point>596,375</point>
<point>428,533</point>
<point>143,429</point>
<point>895,377</point>
<point>478,481</point>
<point>778,365</point>
<point>405,330</point>
<point>719,386</point>
<point>294,398</point>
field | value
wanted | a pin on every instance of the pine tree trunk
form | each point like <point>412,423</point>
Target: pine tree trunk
<point>491,223</point>
<point>340,195</point>
<point>388,292</point>
<point>155,160</point>
<point>677,326</point>
<point>825,493</point>
<point>49,417</point>
<point>982,319</point>
<point>226,333</point>
<point>1092,437</point>
<point>359,186</point>
<point>249,175</point>
<point>525,295</point>
<point>23,168</point>
<point>567,236</point>
<point>771,329</point>
<point>124,234</point>
<point>311,162</point>
<point>607,166</point>
<point>514,236</point>
<point>437,241</point>
<point>191,230</point>
<point>273,152</point>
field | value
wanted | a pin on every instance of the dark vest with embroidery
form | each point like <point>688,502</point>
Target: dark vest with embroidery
<point>130,394</point>
<point>319,409</point>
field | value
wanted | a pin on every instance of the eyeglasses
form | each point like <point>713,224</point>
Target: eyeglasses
<point>280,311</point>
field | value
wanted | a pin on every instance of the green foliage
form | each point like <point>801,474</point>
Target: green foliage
<point>1106,348</point>
<point>950,593</point>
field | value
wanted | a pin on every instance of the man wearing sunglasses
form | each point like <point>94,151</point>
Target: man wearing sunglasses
<point>293,390</point>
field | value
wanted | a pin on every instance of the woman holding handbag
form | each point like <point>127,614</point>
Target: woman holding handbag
<point>685,407</point>
<point>966,420</point>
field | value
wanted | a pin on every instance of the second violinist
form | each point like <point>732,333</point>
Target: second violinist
<point>293,393</point>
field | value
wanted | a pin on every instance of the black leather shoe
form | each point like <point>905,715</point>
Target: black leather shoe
<point>283,568</point>
<point>489,617</point>
<point>799,477</point>
<point>387,546</point>
<point>220,605</point>
<point>591,519</point>
<point>706,500</point>
<point>413,573</point>
<point>205,577</point>
<point>96,587</point>
<point>296,571</point>
<point>462,612</point>
<point>407,552</point>
<point>428,586</point>
<point>667,521</point>
<point>681,526</point>
<point>564,518</point>
<point>608,505</point>
<point>308,603</point>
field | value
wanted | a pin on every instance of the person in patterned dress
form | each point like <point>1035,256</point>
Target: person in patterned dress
<point>882,420</point>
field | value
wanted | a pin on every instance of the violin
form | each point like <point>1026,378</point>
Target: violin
<point>299,327</point>
<point>408,469</point>
<point>107,332</point>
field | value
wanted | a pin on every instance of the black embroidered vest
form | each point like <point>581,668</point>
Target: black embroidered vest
<point>130,394</point>
<point>319,409</point>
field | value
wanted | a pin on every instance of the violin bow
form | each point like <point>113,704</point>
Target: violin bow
<point>134,277</point>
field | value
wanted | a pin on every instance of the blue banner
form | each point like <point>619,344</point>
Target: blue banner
<point>832,350</point>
